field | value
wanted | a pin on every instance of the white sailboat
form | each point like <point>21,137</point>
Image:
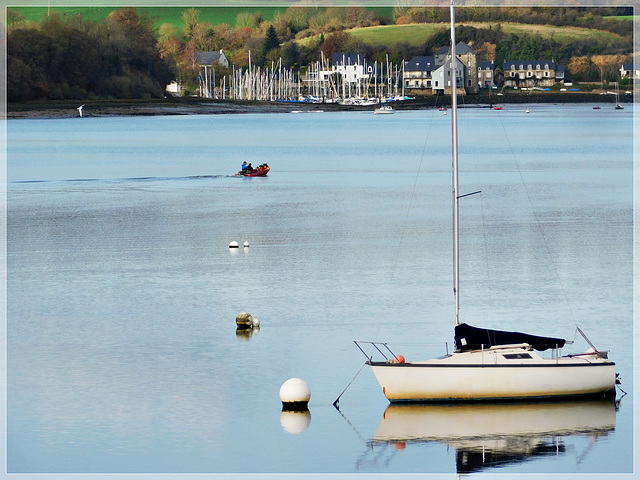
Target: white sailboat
<point>490,364</point>
<point>617,93</point>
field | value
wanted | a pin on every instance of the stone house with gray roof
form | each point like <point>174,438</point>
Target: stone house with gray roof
<point>532,73</point>
<point>486,76</point>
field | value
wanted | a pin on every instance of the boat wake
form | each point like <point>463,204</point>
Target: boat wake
<point>125,180</point>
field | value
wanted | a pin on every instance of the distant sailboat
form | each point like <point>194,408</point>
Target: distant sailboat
<point>490,364</point>
<point>617,94</point>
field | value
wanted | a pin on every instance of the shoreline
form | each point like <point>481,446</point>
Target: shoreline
<point>203,106</point>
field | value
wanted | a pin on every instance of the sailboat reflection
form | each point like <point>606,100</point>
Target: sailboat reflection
<point>493,435</point>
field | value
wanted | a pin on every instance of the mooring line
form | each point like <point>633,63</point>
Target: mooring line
<point>337,401</point>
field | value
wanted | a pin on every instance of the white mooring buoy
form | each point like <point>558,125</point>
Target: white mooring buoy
<point>295,394</point>
<point>246,244</point>
<point>234,244</point>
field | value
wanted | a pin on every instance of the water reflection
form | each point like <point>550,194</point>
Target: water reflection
<point>295,421</point>
<point>488,436</point>
<point>245,334</point>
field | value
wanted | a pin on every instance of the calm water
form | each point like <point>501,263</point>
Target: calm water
<point>122,292</point>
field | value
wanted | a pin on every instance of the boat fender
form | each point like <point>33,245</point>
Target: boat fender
<point>397,359</point>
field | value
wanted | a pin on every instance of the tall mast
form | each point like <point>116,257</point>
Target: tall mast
<point>454,160</point>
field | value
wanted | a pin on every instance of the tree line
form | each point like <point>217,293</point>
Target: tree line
<point>69,58</point>
<point>127,56</point>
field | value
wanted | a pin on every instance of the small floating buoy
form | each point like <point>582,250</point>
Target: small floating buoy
<point>295,394</point>
<point>234,244</point>
<point>246,244</point>
<point>255,322</point>
<point>244,320</point>
<point>527,111</point>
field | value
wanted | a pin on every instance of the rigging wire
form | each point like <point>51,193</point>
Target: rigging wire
<point>538,224</point>
<point>413,192</point>
<point>410,205</point>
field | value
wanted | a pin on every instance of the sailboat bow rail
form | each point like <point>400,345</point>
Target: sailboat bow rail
<point>381,347</point>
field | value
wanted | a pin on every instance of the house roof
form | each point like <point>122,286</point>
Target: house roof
<point>461,49</point>
<point>420,64</point>
<point>526,63</point>
<point>347,59</point>
<point>485,64</point>
<point>209,58</point>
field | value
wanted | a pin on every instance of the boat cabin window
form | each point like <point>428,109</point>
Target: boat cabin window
<point>516,356</point>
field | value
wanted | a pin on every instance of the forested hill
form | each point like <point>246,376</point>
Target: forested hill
<point>79,53</point>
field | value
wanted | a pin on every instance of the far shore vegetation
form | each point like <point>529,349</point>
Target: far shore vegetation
<point>133,53</point>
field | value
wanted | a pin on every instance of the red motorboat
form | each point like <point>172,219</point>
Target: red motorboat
<point>261,171</point>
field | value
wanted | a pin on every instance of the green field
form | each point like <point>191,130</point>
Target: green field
<point>159,15</point>
<point>624,17</point>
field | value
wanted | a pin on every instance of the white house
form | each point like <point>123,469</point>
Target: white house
<point>627,70</point>
<point>351,66</point>
<point>418,72</point>
<point>441,77</point>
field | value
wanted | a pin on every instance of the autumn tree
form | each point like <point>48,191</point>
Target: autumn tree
<point>608,65</point>
<point>335,43</point>
<point>578,65</point>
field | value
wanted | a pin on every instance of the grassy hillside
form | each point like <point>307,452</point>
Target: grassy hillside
<point>416,34</point>
<point>413,34</point>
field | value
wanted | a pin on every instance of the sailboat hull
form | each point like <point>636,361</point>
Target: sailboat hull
<point>487,376</point>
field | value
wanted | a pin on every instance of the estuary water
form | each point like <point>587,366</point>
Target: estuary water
<point>122,351</point>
